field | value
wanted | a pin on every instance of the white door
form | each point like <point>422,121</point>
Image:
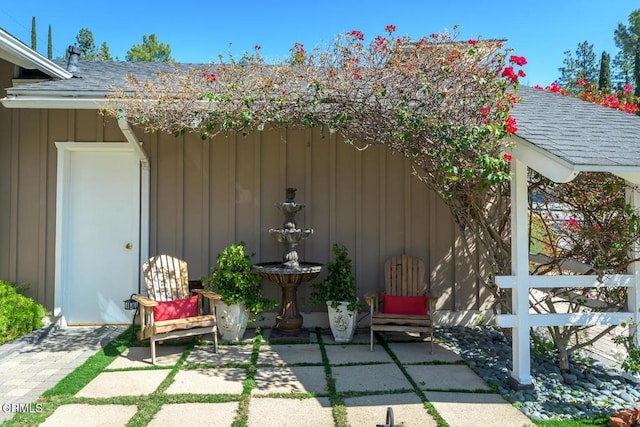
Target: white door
<point>99,232</point>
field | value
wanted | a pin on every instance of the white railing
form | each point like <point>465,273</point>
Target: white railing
<point>568,319</point>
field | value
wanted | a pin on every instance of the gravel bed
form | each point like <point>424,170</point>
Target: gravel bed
<point>589,389</point>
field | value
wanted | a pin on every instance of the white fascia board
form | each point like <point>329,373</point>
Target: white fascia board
<point>16,52</point>
<point>542,161</point>
<point>53,103</point>
<point>560,170</point>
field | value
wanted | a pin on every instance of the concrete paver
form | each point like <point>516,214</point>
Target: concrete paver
<point>408,410</point>
<point>124,383</point>
<point>208,381</point>
<point>289,354</point>
<point>369,378</point>
<point>295,379</point>
<point>446,377</point>
<point>195,415</point>
<point>477,409</point>
<point>226,354</point>
<point>313,412</point>
<point>344,354</point>
<point>83,415</point>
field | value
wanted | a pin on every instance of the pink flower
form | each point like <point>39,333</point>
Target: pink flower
<point>390,28</point>
<point>518,60</point>
<point>508,157</point>
<point>356,34</point>
<point>381,43</point>
<point>211,77</point>
<point>509,73</point>
<point>511,125</point>
<point>574,224</point>
<point>627,89</point>
<point>472,42</point>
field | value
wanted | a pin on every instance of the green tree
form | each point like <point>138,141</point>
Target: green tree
<point>84,40</point>
<point>604,83</point>
<point>581,67</point>
<point>49,44</point>
<point>103,53</point>
<point>149,51</point>
<point>626,39</point>
<point>33,33</point>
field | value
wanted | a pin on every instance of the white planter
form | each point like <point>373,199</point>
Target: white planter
<point>232,321</point>
<point>342,321</point>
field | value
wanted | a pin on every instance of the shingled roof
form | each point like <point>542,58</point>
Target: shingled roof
<point>98,77</point>
<point>578,132</point>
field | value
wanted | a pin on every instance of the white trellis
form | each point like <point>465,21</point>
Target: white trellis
<point>520,282</point>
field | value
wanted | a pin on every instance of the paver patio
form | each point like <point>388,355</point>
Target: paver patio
<point>290,386</point>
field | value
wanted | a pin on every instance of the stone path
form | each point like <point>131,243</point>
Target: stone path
<point>33,364</point>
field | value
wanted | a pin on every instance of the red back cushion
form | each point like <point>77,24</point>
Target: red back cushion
<point>404,305</point>
<point>176,309</point>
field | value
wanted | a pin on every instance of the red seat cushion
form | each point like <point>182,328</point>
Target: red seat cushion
<point>176,309</point>
<point>404,305</point>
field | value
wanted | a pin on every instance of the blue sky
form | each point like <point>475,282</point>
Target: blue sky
<point>540,30</point>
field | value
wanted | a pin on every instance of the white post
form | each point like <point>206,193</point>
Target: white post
<point>521,373</point>
<point>633,293</point>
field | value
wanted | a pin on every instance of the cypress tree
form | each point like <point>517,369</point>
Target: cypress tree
<point>33,32</point>
<point>604,83</point>
<point>49,45</point>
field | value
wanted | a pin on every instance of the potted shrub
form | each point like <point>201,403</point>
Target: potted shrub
<point>339,292</point>
<point>240,289</point>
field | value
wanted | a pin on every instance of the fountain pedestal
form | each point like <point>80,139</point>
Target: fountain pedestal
<point>289,321</point>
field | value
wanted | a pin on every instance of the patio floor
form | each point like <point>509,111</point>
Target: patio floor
<point>258,384</point>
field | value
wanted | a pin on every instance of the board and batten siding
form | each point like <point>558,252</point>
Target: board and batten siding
<point>208,194</point>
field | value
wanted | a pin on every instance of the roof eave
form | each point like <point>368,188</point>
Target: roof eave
<point>561,170</point>
<point>542,161</point>
<point>20,54</point>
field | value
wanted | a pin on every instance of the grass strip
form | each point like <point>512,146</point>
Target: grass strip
<point>242,416</point>
<point>150,405</point>
<point>427,404</point>
<point>337,402</point>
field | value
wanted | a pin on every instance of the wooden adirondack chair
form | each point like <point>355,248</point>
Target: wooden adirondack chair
<point>405,305</point>
<point>169,310</point>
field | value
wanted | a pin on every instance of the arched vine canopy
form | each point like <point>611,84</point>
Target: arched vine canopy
<point>441,102</point>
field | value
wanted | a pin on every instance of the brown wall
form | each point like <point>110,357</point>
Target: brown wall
<point>208,194</point>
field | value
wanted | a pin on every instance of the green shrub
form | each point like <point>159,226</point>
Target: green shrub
<point>234,280</point>
<point>19,315</point>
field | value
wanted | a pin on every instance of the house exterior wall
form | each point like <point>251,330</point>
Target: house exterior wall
<point>208,194</point>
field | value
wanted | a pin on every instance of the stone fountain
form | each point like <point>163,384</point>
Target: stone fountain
<point>290,272</point>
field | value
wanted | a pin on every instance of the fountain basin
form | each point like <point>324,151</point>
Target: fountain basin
<point>277,273</point>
